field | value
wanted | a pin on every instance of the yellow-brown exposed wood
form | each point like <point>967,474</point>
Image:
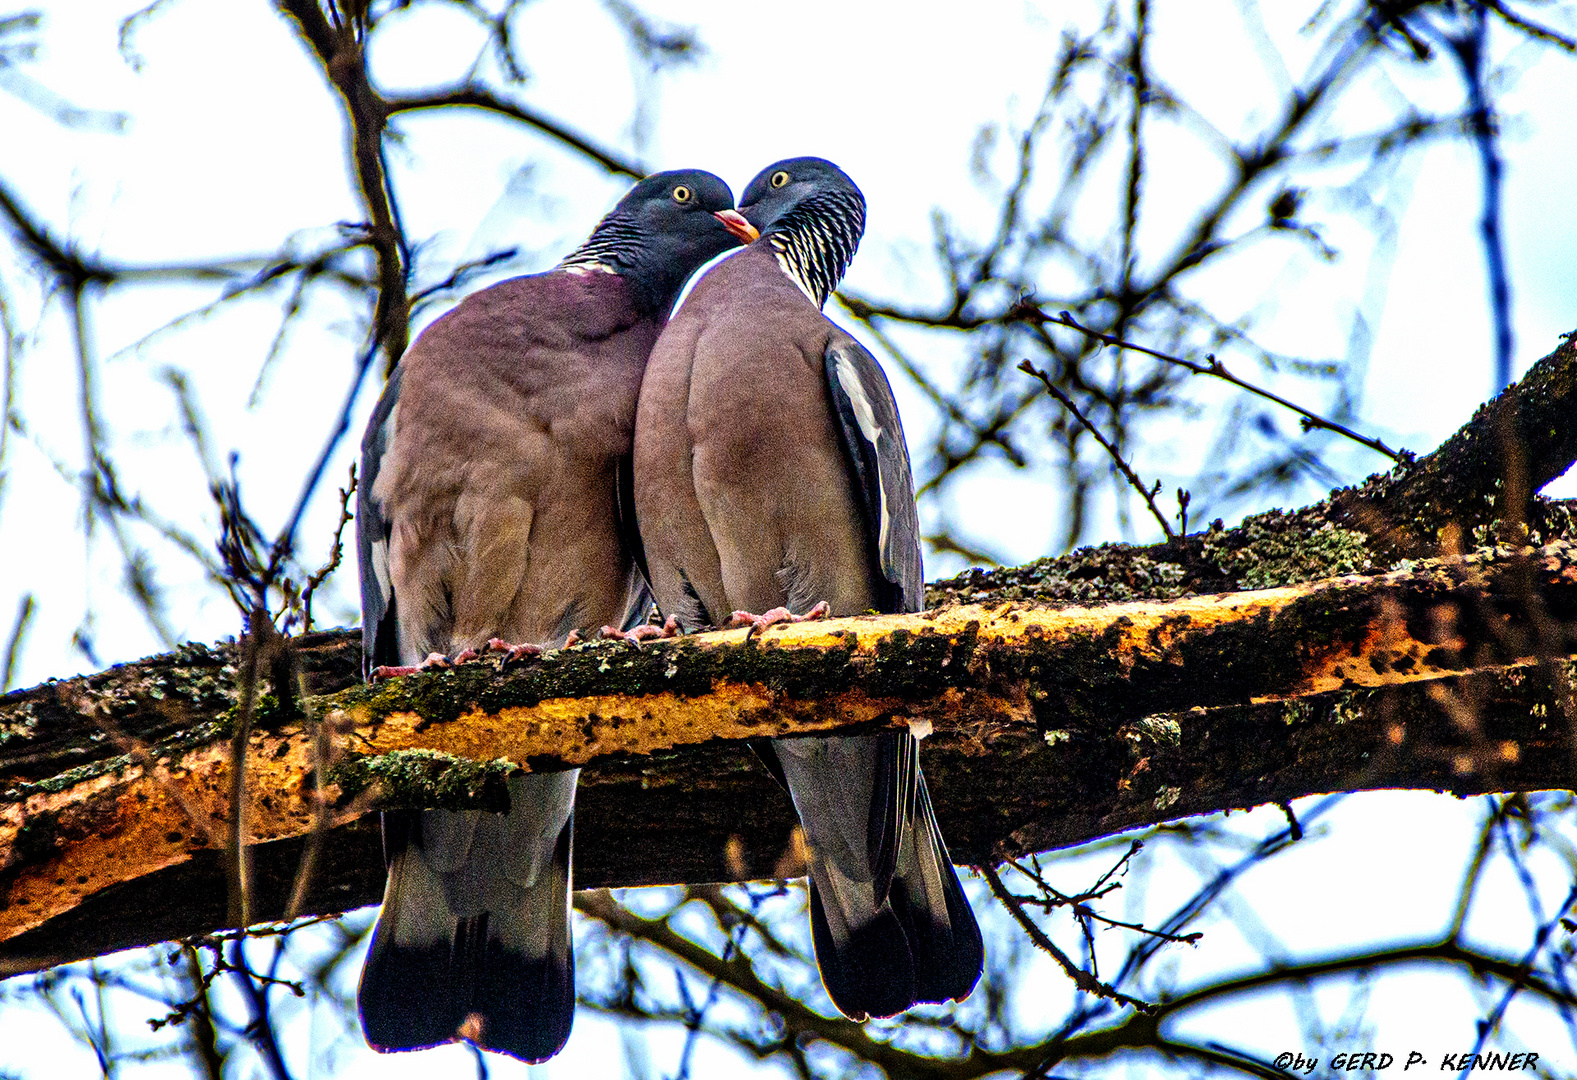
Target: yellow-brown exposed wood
<point>1030,678</point>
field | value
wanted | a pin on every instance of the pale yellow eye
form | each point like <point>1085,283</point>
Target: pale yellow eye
<point>779,178</point>
<point>682,194</point>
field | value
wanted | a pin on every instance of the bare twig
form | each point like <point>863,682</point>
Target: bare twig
<point>14,640</point>
<point>1213,367</point>
<point>1468,48</point>
<point>1532,29</point>
<point>322,815</point>
<point>1081,978</point>
<point>1052,897</point>
<point>10,353</point>
<point>238,855</point>
<point>475,96</point>
<point>336,551</point>
<point>1146,493</point>
<point>255,988</point>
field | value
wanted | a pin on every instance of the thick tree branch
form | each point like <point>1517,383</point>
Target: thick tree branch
<point>1051,726</point>
<point>1513,446</point>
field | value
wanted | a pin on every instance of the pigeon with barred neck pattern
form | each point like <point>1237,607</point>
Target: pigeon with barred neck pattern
<point>771,475</point>
<point>487,514</point>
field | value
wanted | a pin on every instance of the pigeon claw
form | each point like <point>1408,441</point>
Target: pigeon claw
<point>759,623</point>
<point>648,632</point>
<point>643,632</point>
<point>513,652</point>
<point>435,661</point>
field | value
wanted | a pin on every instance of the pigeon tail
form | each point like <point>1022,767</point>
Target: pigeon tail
<point>889,919</point>
<point>929,902</point>
<point>473,940</point>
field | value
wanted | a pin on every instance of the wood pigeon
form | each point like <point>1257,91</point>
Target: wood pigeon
<point>771,472</point>
<point>487,511</point>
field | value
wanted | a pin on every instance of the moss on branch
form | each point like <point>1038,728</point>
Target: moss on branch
<point>1053,724</point>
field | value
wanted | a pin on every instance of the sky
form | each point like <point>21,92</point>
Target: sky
<point>232,141</point>
<point>894,112</point>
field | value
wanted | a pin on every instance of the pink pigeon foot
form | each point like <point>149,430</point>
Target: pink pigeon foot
<point>759,623</point>
<point>435,662</point>
<point>648,632</point>
<point>513,652</point>
<point>643,632</point>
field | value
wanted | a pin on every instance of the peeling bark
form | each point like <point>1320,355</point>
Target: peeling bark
<point>1051,726</point>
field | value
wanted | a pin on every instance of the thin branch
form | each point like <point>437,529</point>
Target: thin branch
<point>474,96</point>
<point>344,64</point>
<point>261,1029</point>
<point>1055,898</point>
<point>10,353</point>
<point>1531,28</point>
<point>237,851</point>
<point>1469,48</point>
<point>1081,978</point>
<point>322,809</point>
<point>1148,494</point>
<point>284,543</point>
<point>739,975</point>
<point>14,640</point>
<point>459,276</point>
<point>1213,367</point>
<point>336,551</point>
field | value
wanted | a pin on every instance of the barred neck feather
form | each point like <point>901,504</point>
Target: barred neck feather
<point>612,246</point>
<point>815,241</point>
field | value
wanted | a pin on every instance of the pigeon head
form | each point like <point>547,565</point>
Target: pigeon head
<point>666,227</point>
<point>813,215</point>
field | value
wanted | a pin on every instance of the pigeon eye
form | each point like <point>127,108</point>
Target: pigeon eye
<point>779,178</point>
<point>682,194</point>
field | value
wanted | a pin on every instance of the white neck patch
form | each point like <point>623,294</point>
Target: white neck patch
<point>584,269</point>
<point>787,264</point>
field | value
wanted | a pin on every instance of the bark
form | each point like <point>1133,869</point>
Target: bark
<point>1052,724</point>
<point>1486,472</point>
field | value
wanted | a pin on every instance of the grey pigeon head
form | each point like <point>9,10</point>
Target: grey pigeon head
<point>812,214</point>
<point>663,229</point>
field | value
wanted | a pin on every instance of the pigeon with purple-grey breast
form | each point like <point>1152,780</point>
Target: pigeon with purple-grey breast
<point>771,482</point>
<point>487,514</point>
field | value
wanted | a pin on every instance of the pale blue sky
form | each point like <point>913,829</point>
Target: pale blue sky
<point>233,140</point>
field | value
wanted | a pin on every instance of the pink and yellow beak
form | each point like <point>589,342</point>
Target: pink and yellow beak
<point>736,225</point>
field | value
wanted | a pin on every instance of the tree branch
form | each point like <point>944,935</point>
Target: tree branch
<point>1051,725</point>
<point>479,97</point>
<point>344,65</point>
<point>1536,417</point>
